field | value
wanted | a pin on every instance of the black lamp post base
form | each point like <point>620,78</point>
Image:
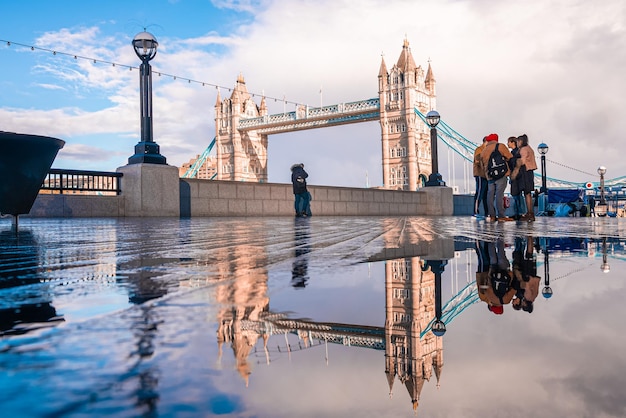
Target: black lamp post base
<point>147,152</point>
<point>435,179</point>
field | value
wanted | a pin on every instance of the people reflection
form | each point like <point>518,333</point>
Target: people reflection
<point>526,281</point>
<point>300,266</point>
<point>494,276</point>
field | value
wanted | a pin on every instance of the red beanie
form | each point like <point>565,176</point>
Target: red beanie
<point>492,137</point>
<point>496,309</point>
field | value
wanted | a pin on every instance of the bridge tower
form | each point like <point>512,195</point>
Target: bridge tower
<point>241,155</point>
<point>410,306</point>
<point>406,151</point>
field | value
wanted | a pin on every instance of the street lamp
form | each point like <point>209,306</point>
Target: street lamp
<point>543,150</point>
<point>146,151</point>
<point>432,118</point>
<point>601,209</point>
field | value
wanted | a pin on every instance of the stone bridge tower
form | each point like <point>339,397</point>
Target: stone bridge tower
<point>405,138</point>
<point>409,308</point>
<point>241,155</point>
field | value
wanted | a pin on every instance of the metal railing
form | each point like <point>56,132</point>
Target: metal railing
<point>82,182</point>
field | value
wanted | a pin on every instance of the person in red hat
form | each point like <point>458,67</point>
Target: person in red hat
<point>496,185</point>
<point>495,283</point>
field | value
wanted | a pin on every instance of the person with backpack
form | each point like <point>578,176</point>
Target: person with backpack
<point>495,283</point>
<point>495,159</point>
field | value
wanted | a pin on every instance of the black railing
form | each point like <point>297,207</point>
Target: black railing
<point>82,182</point>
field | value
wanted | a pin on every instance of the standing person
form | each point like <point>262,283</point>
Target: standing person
<point>515,165</point>
<point>527,176</point>
<point>480,196</point>
<point>302,196</point>
<point>496,184</point>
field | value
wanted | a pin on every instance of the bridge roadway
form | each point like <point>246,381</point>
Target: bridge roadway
<point>306,117</point>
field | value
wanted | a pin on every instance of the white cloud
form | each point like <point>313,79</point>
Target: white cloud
<point>550,69</point>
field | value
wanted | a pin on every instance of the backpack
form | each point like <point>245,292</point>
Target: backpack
<point>496,166</point>
<point>500,282</point>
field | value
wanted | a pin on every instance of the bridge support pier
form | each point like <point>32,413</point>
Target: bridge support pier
<point>150,190</point>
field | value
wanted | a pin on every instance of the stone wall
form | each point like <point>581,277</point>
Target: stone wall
<point>231,198</point>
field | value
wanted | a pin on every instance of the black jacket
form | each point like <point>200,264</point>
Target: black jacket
<point>298,179</point>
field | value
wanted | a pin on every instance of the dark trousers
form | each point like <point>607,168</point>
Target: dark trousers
<point>302,204</point>
<point>480,197</point>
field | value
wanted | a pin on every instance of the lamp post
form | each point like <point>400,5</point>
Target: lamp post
<point>543,150</point>
<point>432,118</point>
<point>146,150</point>
<point>601,209</point>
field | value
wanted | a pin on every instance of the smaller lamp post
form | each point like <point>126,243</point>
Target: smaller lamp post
<point>146,151</point>
<point>601,209</point>
<point>432,118</point>
<point>543,150</point>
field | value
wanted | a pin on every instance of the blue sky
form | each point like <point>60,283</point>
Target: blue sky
<point>550,69</point>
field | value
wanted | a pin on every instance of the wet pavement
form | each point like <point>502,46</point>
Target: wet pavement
<point>318,317</point>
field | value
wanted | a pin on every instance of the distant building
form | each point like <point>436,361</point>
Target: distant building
<point>207,169</point>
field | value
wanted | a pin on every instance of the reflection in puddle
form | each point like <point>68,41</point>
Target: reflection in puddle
<point>315,315</point>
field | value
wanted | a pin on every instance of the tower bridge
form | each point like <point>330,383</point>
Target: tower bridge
<point>406,93</point>
<point>242,127</point>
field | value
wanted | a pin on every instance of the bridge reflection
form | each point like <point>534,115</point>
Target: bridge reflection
<point>413,353</point>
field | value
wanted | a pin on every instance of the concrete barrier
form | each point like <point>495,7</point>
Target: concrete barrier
<point>199,198</point>
<point>231,198</point>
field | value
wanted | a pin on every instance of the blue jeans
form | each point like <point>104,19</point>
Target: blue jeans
<point>519,204</point>
<point>302,204</point>
<point>495,197</point>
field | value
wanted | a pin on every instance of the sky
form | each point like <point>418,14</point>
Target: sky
<point>552,69</point>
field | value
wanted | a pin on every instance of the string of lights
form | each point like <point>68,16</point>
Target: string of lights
<point>572,168</point>
<point>130,67</point>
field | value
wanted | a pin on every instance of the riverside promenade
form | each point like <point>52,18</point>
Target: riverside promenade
<point>283,317</point>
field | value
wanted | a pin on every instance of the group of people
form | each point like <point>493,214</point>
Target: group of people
<point>500,283</point>
<point>497,165</point>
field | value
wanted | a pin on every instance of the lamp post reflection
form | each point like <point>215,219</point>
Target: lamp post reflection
<point>605,265</point>
<point>601,209</point>
<point>547,290</point>
<point>437,267</point>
